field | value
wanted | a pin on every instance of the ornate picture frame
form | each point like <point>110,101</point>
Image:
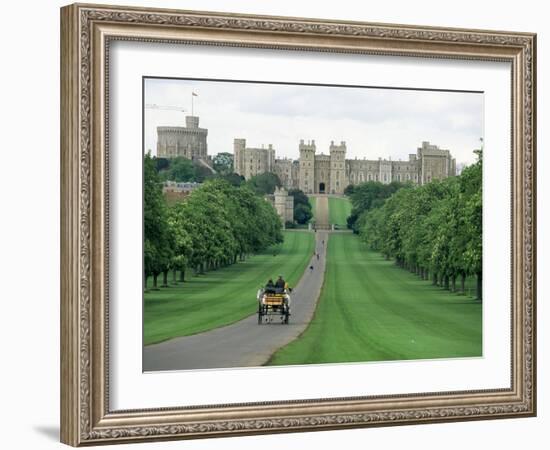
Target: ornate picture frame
<point>87,32</point>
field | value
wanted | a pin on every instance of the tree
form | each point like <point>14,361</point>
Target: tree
<point>233,179</point>
<point>302,207</point>
<point>302,213</point>
<point>471,188</point>
<point>219,224</point>
<point>369,195</point>
<point>223,163</point>
<point>162,164</point>
<point>157,238</point>
<point>432,229</point>
<point>179,228</point>
<point>203,173</point>
<point>181,169</point>
<point>264,183</point>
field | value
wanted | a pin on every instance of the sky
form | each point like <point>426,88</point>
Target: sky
<point>374,122</point>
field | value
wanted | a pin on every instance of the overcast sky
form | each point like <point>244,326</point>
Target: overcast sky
<point>374,122</point>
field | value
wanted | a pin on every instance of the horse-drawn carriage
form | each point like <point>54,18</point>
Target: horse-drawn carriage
<point>273,302</point>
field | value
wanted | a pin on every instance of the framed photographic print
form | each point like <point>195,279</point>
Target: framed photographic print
<point>276,224</point>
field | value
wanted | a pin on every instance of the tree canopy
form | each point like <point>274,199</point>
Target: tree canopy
<point>435,228</point>
<point>223,163</point>
<point>264,183</point>
<point>157,246</point>
<point>216,225</point>
<point>367,196</point>
<point>302,207</point>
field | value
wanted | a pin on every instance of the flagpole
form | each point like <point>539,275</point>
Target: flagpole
<point>192,104</point>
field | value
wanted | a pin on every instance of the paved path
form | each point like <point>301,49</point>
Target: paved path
<point>245,343</point>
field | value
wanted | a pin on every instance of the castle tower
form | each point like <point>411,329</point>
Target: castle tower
<point>338,180</point>
<point>435,163</point>
<point>188,141</point>
<point>307,166</point>
<point>270,159</point>
<point>238,156</point>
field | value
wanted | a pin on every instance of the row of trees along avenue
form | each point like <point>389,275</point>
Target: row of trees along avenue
<point>217,225</point>
<point>434,230</point>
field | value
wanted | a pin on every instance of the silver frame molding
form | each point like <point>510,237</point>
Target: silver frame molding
<point>86,32</point>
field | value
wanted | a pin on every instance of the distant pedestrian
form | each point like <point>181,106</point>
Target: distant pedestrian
<point>317,256</point>
<point>311,268</point>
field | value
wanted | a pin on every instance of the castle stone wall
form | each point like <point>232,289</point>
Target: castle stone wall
<point>250,162</point>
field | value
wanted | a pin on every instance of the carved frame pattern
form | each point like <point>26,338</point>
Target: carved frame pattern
<point>86,418</point>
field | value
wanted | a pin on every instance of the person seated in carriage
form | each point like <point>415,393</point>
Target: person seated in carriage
<point>270,287</point>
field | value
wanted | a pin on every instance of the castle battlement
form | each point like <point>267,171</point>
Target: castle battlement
<point>330,174</point>
<point>189,141</point>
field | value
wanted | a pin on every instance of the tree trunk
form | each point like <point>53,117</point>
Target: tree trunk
<point>479,286</point>
<point>146,278</point>
<point>174,276</point>
<point>453,283</point>
<point>446,286</point>
<point>462,283</point>
<point>182,275</point>
<point>155,276</point>
<point>434,279</point>
<point>165,278</point>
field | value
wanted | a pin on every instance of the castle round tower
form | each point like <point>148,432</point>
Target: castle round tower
<point>188,141</point>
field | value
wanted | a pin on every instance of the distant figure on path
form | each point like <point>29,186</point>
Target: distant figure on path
<point>317,256</point>
<point>311,268</point>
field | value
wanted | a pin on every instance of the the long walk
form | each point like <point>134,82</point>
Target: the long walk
<point>245,343</point>
<point>372,310</point>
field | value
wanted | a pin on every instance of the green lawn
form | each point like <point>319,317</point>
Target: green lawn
<point>223,296</point>
<point>313,203</point>
<point>371,310</point>
<point>339,210</point>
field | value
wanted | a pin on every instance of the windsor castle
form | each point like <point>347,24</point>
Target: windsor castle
<point>312,173</point>
<point>330,174</point>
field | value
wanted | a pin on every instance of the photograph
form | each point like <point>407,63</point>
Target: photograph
<point>290,223</point>
<point>303,224</point>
